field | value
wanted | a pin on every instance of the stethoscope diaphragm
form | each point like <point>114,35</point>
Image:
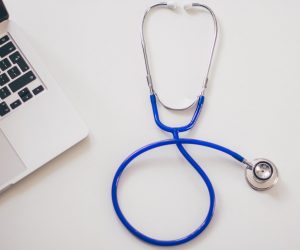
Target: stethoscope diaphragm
<point>261,174</point>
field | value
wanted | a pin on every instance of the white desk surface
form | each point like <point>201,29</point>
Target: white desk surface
<point>93,49</point>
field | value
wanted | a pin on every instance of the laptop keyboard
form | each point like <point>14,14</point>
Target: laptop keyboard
<point>17,77</point>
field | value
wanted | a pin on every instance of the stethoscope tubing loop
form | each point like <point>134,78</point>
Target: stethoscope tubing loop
<point>179,143</point>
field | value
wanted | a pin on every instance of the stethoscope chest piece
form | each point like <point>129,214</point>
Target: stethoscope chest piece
<point>261,174</point>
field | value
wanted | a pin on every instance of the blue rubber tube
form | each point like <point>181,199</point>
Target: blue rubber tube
<point>179,142</point>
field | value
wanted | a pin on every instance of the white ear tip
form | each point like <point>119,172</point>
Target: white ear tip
<point>188,6</point>
<point>171,5</point>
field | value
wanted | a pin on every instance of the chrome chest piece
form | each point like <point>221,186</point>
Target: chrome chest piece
<point>261,174</point>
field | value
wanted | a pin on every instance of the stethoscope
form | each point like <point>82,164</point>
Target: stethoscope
<point>261,174</point>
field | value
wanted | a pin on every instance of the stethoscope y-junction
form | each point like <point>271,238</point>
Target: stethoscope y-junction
<point>261,174</point>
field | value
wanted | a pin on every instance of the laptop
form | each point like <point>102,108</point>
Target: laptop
<point>37,122</point>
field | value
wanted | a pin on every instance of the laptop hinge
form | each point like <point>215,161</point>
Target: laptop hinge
<point>3,12</point>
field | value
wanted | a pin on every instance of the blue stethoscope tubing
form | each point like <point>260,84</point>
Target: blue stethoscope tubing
<point>179,143</point>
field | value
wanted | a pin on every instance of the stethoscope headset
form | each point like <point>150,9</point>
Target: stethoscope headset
<point>261,174</point>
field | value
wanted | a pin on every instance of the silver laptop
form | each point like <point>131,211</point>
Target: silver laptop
<point>37,123</point>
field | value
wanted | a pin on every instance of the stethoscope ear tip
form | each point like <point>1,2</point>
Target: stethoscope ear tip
<point>261,174</point>
<point>171,5</point>
<point>188,6</point>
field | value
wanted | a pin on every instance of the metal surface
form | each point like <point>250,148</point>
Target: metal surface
<point>263,171</point>
<point>262,174</point>
<point>172,6</point>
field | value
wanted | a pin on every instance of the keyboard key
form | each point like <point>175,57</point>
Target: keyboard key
<point>22,81</point>
<point>4,92</point>
<point>15,104</point>
<point>25,94</point>
<point>38,90</point>
<point>3,79</point>
<point>7,49</point>
<point>16,58</point>
<point>4,109</point>
<point>5,64</point>
<point>14,72</point>
<point>4,40</point>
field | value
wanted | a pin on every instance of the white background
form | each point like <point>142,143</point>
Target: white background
<point>93,49</point>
